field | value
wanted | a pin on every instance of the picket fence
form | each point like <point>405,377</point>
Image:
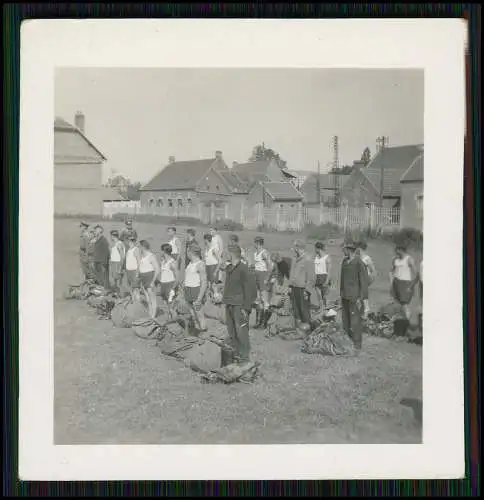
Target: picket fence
<point>278,218</point>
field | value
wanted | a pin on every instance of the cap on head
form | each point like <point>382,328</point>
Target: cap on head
<point>349,243</point>
<point>84,224</point>
<point>259,240</point>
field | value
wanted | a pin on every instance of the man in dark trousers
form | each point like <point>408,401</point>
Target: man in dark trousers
<point>239,295</point>
<point>354,293</point>
<point>302,278</point>
<point>83,247</point>
<point>101,257</point>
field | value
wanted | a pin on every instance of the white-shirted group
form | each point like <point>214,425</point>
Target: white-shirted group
<point>241,279</point>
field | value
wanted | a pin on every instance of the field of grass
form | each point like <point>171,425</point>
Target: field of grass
<point>114,388</point>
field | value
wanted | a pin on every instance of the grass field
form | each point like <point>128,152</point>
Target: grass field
<point>113,388</point>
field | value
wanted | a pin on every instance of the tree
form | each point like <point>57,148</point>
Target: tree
<point>132,192</point>
<point>344,170</point>
<point>366,156</point>
<point>260,153</point>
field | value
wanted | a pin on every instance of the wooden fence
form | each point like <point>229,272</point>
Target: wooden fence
<point>278,217</point>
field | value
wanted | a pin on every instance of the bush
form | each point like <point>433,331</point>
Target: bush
<point>410,236</point>
<point>323,231</point>
<point>158,219</point>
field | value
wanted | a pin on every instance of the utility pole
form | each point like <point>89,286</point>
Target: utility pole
<point>381,144</point>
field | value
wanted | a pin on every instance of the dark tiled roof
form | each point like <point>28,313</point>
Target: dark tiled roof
<point>70,142</point>
<point>282,191</point>
<point>395,160</point>
<point>179,175</point>
<point>237,185</point>
<point>256,169</point>
<point>415,172</point>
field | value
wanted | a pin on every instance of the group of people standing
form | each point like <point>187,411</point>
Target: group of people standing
<point>241,279</point>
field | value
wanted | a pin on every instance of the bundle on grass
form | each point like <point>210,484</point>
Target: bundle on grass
<point>103,304</point>
<point>204,355</point>
<point>328,339</point>
<point>126,311</point>
<point>81,291</point>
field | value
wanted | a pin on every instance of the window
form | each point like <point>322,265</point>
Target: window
<point>189,202</point>
<point>281,206</point>
<point>292,205</point>
<point>151,202</point>
<point>170,202</point>
<point>217,188</point>
<point>180,203</point>
<point>159,202</point>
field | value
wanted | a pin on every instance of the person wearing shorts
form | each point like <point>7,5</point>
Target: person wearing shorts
<point>168,273</point>
<point>195,286</point>
<point>116,262</point>
<point>402,278</point>
<point>132,267</point>
<point>322,265</point>
<point>262,266</point>
<point>149,270</point>
<point>212,263</point>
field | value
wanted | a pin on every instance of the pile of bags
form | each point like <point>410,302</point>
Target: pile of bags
<point>126,312</point>
<point>82,291</point>
<point>328,339</point>
<point>379,325</point>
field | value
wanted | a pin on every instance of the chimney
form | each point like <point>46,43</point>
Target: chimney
<point>171,159</point>
<point>218,155</point>
<point>80,121</point>
<point>235,163</point>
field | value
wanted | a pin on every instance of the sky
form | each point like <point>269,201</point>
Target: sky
<point>139,117</point>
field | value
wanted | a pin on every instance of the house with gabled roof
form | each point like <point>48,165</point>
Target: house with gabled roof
<point>412,195</point>
<point>78,165</point>
<point>262,171</point>
<point>198,188</point>
<point>364,185</point>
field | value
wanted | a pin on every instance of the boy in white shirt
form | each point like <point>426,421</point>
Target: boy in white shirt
<point>116,261</point>
<point>175,244</point>
<point>322,268</point>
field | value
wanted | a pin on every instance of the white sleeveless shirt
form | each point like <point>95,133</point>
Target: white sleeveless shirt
<point>167,274</point>
<point>402,269</point>
<point>320,264</point>
<point>260,263</point>
<point>115,254</point>
<point>192,276</point>
<point>211,256</point>
<point>145,264</point>
<point>131,262</point>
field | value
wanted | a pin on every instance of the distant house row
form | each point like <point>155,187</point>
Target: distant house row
<point>204,185</point>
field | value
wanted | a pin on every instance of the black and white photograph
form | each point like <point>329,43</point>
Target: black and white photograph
<point>246,245</point>
<point>238,256</point>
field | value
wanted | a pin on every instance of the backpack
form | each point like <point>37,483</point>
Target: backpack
<point>328,340</point>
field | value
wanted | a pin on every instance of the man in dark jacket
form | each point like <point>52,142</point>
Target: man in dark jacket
<point>354,293</point>
<point>101,257</point>
<point>239,295</point>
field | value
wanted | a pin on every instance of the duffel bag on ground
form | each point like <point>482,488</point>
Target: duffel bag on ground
<point>125,312</point>
<point>148,329</point>
<point>328,340</point>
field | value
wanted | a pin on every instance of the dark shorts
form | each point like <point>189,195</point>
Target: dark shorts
<point>132,278</point>
<point>322,283</point>
<point>403,291</point>
<point>147,279</point>
<point>165,289</point>
<point>211,274</point>
<point>191,294</point>
<point>260,280</point>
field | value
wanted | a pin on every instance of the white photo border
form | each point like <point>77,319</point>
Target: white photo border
<point>435,45</point>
